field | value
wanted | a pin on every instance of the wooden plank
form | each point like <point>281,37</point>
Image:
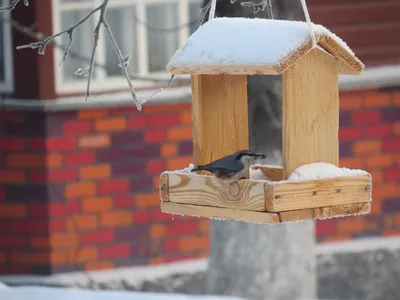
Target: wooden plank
<point>296,215</point>
<point>220,122</point>
<point>225,69</point>
<point>164,187</point>
<point>310,112</point>
<point>325,212</point>
<point>274,173</point>
<point>342,210</point>
<point>206,190</point>
<point>287,196</point>
<point>220,213</point>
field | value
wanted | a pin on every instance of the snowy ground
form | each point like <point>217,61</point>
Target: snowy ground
<point>45,293</point>
<point>367,268</point>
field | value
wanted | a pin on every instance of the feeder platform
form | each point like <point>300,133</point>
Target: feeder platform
<point>265,201</point>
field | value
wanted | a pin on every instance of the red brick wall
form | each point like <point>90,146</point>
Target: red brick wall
<point>369,27</point>
<point>79,190</point>
<point>370,140</point>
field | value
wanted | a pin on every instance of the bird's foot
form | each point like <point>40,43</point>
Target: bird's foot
<point>222,185</point>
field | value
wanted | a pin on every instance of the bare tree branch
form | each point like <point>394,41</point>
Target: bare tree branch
<point>42,44</point>
<point>13,4</point>
<point>122,61</point>
<point>28,31</point>
<point>160,29</point>
<point>259,6</point>
<point>88,72</point>
<point>204,11</point>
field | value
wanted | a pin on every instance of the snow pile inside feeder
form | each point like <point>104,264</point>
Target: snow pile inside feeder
<point>244,42</point>
<point>257,174</point>
<point>322,170</point>
<point>186,170</point>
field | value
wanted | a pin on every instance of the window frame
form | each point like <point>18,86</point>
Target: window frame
<point>104,83</point>
<point>7,86</point>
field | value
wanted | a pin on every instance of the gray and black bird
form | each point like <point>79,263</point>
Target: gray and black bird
<point>232,167</point>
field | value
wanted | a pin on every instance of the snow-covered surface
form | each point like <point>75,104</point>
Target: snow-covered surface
<point>132,275</point>
<point>244,42</point>
<point>322,170</point>
<point>3,286</point>
<point>186,170</point>
<point>353,246</point>
<point>360,245</point>
<point>373,77</point>
<point>44,293</point>
<point>257,174</point>
<point>171,95</point>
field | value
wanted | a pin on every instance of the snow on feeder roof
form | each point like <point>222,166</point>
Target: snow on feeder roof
<point>256,46</point>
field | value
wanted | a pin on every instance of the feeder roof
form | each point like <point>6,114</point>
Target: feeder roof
<point>256,46</point>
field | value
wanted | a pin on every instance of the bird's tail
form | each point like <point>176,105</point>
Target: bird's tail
<point>198,168</point>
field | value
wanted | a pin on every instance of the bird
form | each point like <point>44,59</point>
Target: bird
<point>231,168</point>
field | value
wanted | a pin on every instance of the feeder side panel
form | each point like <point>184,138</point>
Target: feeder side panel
<point>220,116</point>
<point>310,112</point>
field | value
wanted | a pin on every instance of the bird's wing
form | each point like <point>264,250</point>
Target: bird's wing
<point>227,161</point>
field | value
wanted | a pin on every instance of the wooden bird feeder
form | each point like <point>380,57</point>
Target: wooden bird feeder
<point>219,56</point>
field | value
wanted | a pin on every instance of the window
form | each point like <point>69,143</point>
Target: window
<point>6,68</point>
<point>148,30</point>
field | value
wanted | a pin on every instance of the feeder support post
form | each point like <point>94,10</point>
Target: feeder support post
<point>220,116</point>
<point>310,112</point>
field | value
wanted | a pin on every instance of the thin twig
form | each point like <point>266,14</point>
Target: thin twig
<point>123,64</point>
<point>144,100</point>
<point>204,12</point>
<point>103,9</point>
<point>172,29</point>
<point>13,4</point>
<point>256,6</point>
<point>71,39</point>
<point>42,44</point>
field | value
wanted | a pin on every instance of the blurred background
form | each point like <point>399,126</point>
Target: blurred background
<point>79,179</point>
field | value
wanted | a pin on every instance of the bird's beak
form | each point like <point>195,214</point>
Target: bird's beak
<point>260,156</point>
